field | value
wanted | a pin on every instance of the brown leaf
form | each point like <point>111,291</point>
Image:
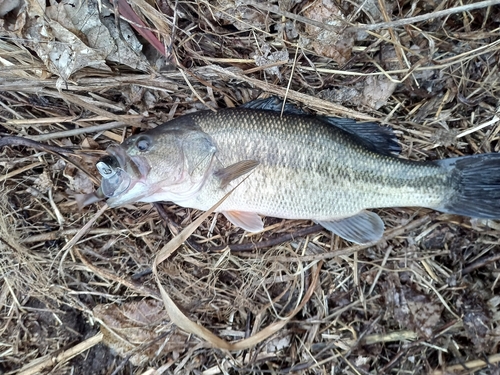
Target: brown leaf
<point>266,57</point>
<point>376,91</point>
<point>72,35</point>
<point>477,320</point>
<point>126,327</point>
<point>229,12</point>
<point>126,11</point>
<point>12,15</point>
<point>335,45</point>
<point>372,92</point>
<point>415,310</point>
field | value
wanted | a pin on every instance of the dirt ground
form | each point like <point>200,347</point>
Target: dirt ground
<point>137,290</point>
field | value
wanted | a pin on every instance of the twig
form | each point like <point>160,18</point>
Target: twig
<point>193,90</point>
<point>309,101</point>
<point>425,17</point>
<point>469,366</point>
<point>20,141</point>
<point>137,287</point>
<point>65,356</point>
<point>274,9</point>
<point>9,175</point>
<point>54,235</point>
<point>493,121</point>
<point>75,99</point>
<point>352,249</point>
<point>271,242</point>
<point>69,245</point>
<point>376,26</point>
<point>78,131</point>
<point>481,262</point>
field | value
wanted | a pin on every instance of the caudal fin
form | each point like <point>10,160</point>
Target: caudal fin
<point>476,186</point>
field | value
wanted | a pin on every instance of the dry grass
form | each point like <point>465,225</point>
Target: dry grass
<point>423,300</point>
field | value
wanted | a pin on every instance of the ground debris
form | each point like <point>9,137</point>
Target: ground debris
<point>477,320</point>
<point>413,309</point>
<point>78,74</point>
<point>135,329</point>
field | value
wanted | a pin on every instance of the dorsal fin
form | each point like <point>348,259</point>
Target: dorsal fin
<point>373,136</point>
<point>274,104</point>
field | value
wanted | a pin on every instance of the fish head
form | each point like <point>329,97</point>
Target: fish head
<point>168,163</point>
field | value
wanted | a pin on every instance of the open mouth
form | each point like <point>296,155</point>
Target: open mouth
<point>114,179</point>
<point>119,171</point>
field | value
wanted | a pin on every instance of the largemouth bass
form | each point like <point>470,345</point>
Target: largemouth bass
<point>292,166</point>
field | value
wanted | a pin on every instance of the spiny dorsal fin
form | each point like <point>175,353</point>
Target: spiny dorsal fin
<point>274,104</point>
<point>241,168</point>
<point>375,137</point>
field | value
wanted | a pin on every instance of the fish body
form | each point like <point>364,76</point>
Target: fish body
<point>295,166</point>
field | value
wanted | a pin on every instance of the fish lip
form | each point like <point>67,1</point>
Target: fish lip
<point>119,153</point>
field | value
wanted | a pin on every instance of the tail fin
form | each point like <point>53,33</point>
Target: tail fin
<point>476,186</point>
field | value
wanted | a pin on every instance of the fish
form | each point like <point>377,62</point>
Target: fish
<point>291,165</point>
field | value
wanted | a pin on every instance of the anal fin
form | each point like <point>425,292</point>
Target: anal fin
<point>361,228</point>
<point>249,221</point>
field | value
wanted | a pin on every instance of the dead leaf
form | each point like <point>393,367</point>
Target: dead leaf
<point>73,35</point>
<point>279,343</point>
<point>78,181</point>
<point>43,182</point>
<point>266,57</point>
<point>376,91</point>
<point>372,8</point>
<point>239,14</point>
<point>372,92</point>
<point>135,21</point>
<point>336,45</point>
<point>477,321</point>
<point>126,327</point>
<point>415,310</point>
<point>61,51</point>
<point>98,28</point>
<point>12,15</point>
<point>127,48</point>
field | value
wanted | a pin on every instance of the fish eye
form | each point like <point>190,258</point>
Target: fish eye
<point>143,144</point>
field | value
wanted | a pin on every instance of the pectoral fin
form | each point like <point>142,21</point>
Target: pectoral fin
<point>249,221</point>
<point>241,168</point>
<point>361,228</point>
